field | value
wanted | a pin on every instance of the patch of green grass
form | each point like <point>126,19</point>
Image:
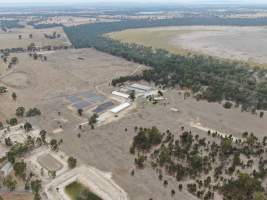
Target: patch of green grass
<point>78,191</point>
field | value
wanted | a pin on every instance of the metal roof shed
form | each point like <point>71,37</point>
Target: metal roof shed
<point>141,87</point>
<point>120,94</point>
<point>120,107</point>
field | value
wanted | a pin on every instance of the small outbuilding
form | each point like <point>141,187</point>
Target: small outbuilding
<point>120,94</point>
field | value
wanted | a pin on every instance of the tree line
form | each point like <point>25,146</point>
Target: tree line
<point>208,78</point>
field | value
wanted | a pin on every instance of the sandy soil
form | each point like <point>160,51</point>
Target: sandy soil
<point>238,43</point>
<point>10,39</point>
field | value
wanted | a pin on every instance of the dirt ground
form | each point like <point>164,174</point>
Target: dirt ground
<point>11,40</point>
<point>45,84</point>
<point>17,196</point>
<point>237,43</point>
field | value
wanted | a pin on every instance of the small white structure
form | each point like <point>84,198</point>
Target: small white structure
<point>120,94</point>
<point>120,107</point>
<point>6,169</point>
<point>174,110</point>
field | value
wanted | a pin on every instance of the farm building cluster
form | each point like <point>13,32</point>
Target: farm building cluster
<point>108,106</point>
<point>119,101</point>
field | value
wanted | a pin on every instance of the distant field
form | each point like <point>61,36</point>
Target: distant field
<point>11,39</point>
<point>237,43</point>
<point>155,37</point>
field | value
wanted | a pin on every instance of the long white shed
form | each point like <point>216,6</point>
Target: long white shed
<point>141,87</point>
<point>120,107</point>
<point>120,94</point>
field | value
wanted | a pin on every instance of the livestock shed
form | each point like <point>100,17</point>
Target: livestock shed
<point>145,88</point>
<point>120,107</point>
<point>103,107</point>
<point>120,94</point>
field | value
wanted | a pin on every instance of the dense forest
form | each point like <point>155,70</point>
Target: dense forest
<point>209,78</point>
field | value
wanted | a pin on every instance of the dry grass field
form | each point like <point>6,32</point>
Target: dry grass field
<point>155,37</point>
<point>237,43</point>
<point>45,84</point>
<point>11,39</point>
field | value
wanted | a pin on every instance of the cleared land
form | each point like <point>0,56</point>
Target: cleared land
<point>238,43</point>
<point>11,39</point>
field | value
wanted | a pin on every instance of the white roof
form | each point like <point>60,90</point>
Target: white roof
<point>159,98</point>
<point>141,87</point>
<point>120,94</point>
<point>120,107</point>
<point>7,168</point>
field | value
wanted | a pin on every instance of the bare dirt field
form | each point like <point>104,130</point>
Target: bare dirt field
<point>11,39</point>
<point>237,43</point>
<point>17,196</point>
